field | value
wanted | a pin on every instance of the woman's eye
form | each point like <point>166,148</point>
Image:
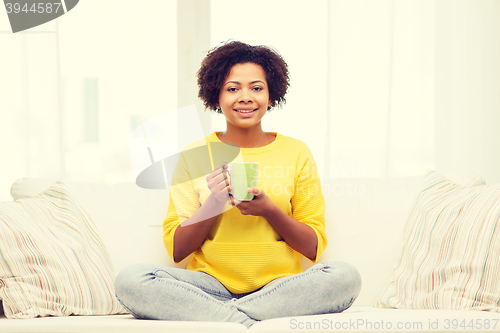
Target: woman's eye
<point>258,88</point>
<point>231,89</point>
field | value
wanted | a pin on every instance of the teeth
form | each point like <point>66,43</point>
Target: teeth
<point>245,111</point>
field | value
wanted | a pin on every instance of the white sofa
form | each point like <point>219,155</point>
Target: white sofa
<point>365,220</point>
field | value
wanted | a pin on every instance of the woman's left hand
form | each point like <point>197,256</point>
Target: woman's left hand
<point>261,205</point>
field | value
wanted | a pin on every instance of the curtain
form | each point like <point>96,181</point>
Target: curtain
<point>73,89</point>
<point>467,84</point>
<point>30,113</point>
<point>379,88</point>
<point>383,88</point>
<point>362,75</point>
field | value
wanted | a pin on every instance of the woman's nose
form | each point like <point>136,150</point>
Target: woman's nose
<point>245,96</point>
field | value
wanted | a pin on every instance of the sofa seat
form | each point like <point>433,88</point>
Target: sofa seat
<point>112,324</point>
<point>365,222</point>
<point>354,319</point>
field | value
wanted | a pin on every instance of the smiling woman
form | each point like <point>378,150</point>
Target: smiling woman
<point>246,263</point>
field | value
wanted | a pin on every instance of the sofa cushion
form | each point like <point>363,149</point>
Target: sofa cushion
<point>52,260</point>
<point>129,218</point>
<point>450,254</point>
<point>114,324</point>
<point>354,319</point>
<point>365,219</point>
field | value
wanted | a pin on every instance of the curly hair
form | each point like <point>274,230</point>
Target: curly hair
<point>218,63</point>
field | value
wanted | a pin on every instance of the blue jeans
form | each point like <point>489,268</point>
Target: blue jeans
<point>156,292</point>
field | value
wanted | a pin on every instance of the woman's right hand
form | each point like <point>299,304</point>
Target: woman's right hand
<point>218,183</point>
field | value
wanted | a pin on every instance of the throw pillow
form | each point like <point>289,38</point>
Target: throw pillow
<point>52,260</point>
<point>450,254</point>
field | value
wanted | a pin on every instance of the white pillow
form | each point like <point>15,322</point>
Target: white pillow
<point>365,219</point>
<point>450,254</point>
<point>129,218</point>
<point>53,262</point>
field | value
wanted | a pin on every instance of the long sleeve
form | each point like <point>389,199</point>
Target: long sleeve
<point>183,203</point>
<point>308,204</point>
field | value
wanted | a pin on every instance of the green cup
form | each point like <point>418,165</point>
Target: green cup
<point>243,175</point>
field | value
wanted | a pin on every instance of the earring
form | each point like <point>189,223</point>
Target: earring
<point>219,110</point>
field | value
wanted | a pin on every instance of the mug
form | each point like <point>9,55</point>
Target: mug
<point>243,175</point>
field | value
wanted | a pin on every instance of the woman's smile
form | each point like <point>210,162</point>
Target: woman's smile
<point>245,112</point>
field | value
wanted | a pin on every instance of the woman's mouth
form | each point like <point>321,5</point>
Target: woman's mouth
<point>245,111</point>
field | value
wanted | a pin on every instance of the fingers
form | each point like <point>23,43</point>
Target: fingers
<point>218,183</point>
<point>221,182</point>
<point>224,167</point>
<point>218,175</point>
<point>255,191</point>
<point>222,186</point>
<point>233,201</point>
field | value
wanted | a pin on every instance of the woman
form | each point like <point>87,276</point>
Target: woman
<point>246,254</point>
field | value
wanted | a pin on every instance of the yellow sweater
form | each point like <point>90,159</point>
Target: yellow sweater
<point>245,252</point>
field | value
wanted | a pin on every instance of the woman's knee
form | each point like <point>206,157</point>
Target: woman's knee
<point>131,277</point>
<point>345,274</point>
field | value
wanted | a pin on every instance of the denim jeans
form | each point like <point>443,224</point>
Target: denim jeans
<point>156,292</point>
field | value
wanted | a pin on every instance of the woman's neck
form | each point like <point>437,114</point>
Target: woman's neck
<point>246,137</point>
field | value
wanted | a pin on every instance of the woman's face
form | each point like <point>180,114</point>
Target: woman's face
<point>244,96</point>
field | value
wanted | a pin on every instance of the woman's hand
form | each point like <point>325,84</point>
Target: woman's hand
<point>218,183</point>
<point>261,205</point>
